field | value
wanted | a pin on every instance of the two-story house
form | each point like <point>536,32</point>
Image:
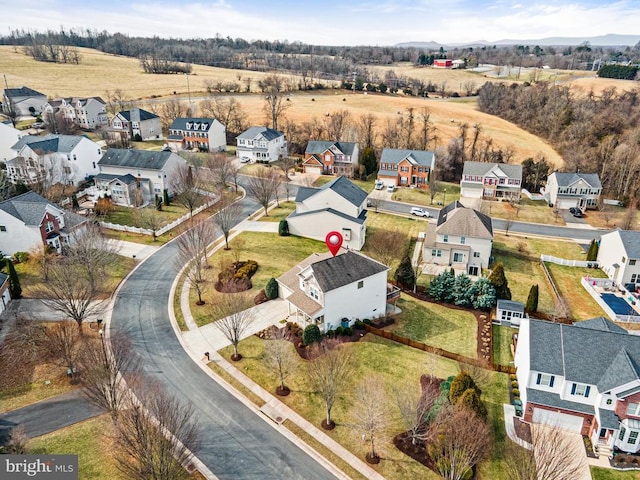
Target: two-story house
<point>583,377</point>
<point>335,291</point>
<point>136,124</point>
<point>331,158</point>
<point>87,113</point>
<point>491,181</point>
<point>339,205</point>
<point>261,144</point>
<point>566,190</point>
<point>461,238</point>
<point>23,101</point>
<point>29,221</point>
<point>619,257</point>
<point>9,136</point>
<point>52,159</point>
<point>134,177</point>
<point>204,134</point>
<point>406,168</point>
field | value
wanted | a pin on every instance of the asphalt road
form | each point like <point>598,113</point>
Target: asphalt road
<point>236,444</point>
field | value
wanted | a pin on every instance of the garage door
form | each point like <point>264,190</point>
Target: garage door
<point>316,170</point>
<point>562,420</point>
<point>566,204</point>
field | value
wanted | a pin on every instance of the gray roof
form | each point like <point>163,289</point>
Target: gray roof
<point>304,193</point>
<point>553,400</point>
<point>193,124</point>
<point>29,208</point>
<point>600,323</point>
<point>127,179</point>
<point>596,356</point>
<point>137,115</point>
<point>608,419</point>
<point>341,185</point>
<point>316,147</point>
<point>483,168</point>
<point>50,143</point>
<point>631,242</point>
<point>360,219</point>
<point>566,179</point>
<point>254,132</point>
<point>456,219</point>
<point>510,305</point>
<point>22,92</point>
<point>119,157</point>
<point>341,270</point>
<point>418,157</point>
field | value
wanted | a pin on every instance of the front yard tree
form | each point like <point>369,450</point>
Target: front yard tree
<point>148,218</point>
<point>404,274</point>
<point>592,254</point>
<point>311,335</point>
<point>416,408</point>
<point>220,169</point>
<point>329,372</point>
<point>192,251</point>
<point>281,358</point>
<point>227,217</point>
<point>500,282</point>
<point>532,299</point>
<point>236,317</point>
<point>275,104</point>
<point>91,251</point>
<point>262,186</point>
<point>370,414</point>
<point>186,185</point>
<point>62,343</point>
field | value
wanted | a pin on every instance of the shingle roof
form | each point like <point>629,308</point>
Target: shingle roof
<point>553,400</point>
<point>419,157</point>
<point>359,219</point>
<point>631,242</point>
<point>3,278</point>
<point>483,168</point>
<point>456,219</point>
<point>127,179</point>
<point>118,157</point>
<point>600,323</point>
<point>193,124</point>
<point>566,179</point>
<point>315,147</point>
<point>341,185</point>
<point>22,92</point>
<point>50,143</point>
<point>144,115</point>
<point>29,208</point>
<point>255,132</point>
<point>341,270</point>
<point>510,305</point>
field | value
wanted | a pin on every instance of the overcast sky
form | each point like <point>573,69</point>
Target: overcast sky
<point>332,22</point>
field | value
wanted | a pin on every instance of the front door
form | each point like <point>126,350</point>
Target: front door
<point>603,432</point>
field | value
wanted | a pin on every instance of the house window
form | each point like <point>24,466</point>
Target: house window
<point>458,257</point>
<point>545,380</point>
<point>632,262</point>
<point>624,259</point>
<point>445,239</point>
<point>633,437</point>
<point>476,254</point>
<point>463,240</point>
<point>3,228</point>
<point>635,278</point>
<point>633,409</point>
<point>609,401</point>
<point>622,432</point>
<point>580,390</point>
<point>313,292</point>
<point>49,227</point>
<point>361,284</point>
<point>436,253</point>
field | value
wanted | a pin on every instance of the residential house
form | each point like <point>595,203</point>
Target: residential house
<point>87,113</point>
<point>336,206</point>
<point>29,221</point>
<point>23,101</point>
<point>619,257</point>
<point>566,190</point>
<point>335,291</point>
<point>9,136</point>
<point>5,293</point>
<point>331,158</point>
<point>153,173</point>
<point>491,181</point>
<point>406,168</point>
<point>509,312</point>
<point>583,377</point>
<point>204,134</point>
<point>52,159</point>
<point>261,144</point>
<point>461,238</point>
<point>136,124</point>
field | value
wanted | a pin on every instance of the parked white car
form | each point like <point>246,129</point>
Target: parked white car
<point>379,185</point>
<point>420,212</point>
<point>391,188</point>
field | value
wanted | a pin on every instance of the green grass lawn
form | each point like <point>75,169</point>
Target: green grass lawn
<point>366,185</point>
<point>395,365</point>
<point>436,325</point>
<point>502,340</point>
<point>567,279</point>
<point>537,246</point>
<point>421,197</point>
<point>128,216</point>
<point>598,473</point>
<point>279,213</point>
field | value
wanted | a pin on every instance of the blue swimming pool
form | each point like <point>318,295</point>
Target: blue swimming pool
<point>618,304</point>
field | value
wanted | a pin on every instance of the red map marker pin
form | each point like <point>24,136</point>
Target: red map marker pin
<point>334,242</point>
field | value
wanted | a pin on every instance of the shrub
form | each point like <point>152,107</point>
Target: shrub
<point>330,334</point>
<point>358,325</point>
<point>347,332</point>
<point>368,321</point>
<point>271,289</point>
<point>513,376</point>
<point>340,331</point>
<point>21,257</point>
<point>471,400</point>
<point>283,228</point>
<point>516,392</point>
<point>514,384</point>
<point>460,384</point>
<point>311,335</point>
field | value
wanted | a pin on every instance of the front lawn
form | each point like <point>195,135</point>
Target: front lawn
<point>598,473</point>
<point>129,216</point>
<point>279,213</point>
<point>366,185</point>
<point>567,279</point>
<point>420,196</point>
<point>437,325</point>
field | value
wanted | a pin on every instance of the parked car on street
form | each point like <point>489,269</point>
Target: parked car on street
<point>419,212</point>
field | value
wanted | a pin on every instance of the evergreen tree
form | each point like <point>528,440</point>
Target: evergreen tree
<point>311,334</point>
<point>592,254</point>
<point>405,275</point>
<point>14,282</point>
<point>532,299</point>
<point>471,400</point>
<point>436,288</point>
<point>368,159</point>
<point>165,197</point>
<point>461,289</point>
<point>460,384</point>
<point>74,202</point>
<point>483,294</point>
<point>283,228</point>
<point>158,203</point>
<point>500,282</point>
<point>448,283</point>
<point>271,289</point>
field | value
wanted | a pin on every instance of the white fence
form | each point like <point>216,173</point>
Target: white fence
<point>589,285</point>
<point>569,263</point>
<point>66,201</point>
<point>532,196</point>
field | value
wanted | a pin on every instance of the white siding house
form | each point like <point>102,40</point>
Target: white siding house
<point>204,134</point>
<point>261,144</point>
<point>23,101</point>
<point>619,257</point>
<point>9,136</point>
<point>566,190</point>
<point>88,113</point>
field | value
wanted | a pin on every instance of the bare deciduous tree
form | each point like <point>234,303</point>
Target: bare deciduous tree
<point>222,170</point>
<point>370,414</point>
<point>337,124</point>
<point>375,200</point>
<point>367,130</point>
<point>227,217</point>
<point>21,345</point>
<point>262,186</point>
<point>236,316</point>
<point>186,185</point>
<point>192,251</point>
<point>228,111</point>
<point>328,373</point>
<point>629,218</point>
<point>62,343</point>
<point>91,251</point>
<point>415,407</point>
<point>148,218</point>
<point>386,246</point>
<point>275,103</point>
<point>281,357</point>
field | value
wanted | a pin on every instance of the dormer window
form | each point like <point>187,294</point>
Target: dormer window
<point>580,390</point>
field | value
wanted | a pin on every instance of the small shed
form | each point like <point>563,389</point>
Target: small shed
<point>510,312</point>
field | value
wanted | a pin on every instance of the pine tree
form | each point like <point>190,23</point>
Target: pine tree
<point>14,282</point>
<point>436,288</point>
<point>470,399</point>
<point>461,289</point>
<point>165,197</point>
<point>448,283</point>
<point>483,294</point>
<point>532,299</point>
<point>283,228</point>
<point>405,275</point>
<point>271,289</point>
<point>460,384</point>
<point>500,282</point>
<point>592,254</point>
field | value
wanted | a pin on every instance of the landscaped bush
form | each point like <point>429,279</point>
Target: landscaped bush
<point>271,289</point>
<point>283,228</point>
<point>330,334</point>
<point>358,325</point>
<point>21,257</point>
<point>513,376</point>
<point>367,321</point>
<point>347,332</point>
<point>514,383</point>
<point>340,331</point>
<point>311,335</point>
<point>294,329</point>
<point>245,269</point>
<point>516,392</point>
<point>461,383</point>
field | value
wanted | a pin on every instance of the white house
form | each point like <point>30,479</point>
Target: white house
<point>509,312</point>
<point>5,294</point>
<point>491,181</point>
<point>9,136</point>
<point>336,206</point>
<point>136,123</point>
<point>153,173</point>
<point>88,113</point>
<point>23,101</point>
<point>619,257</point>
<point>566,190</point>
<point>332,158</point>
<point>335,291</point>
<point>29,220</point>
<point>52,159</point>
<point>583,377</point>
<point>204,134</point>
<point>261,144</point>
<point>461,238</point>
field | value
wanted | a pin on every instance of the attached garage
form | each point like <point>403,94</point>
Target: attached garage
<point>566,203</point>
<point>557,419</point>
<point>311,169</point>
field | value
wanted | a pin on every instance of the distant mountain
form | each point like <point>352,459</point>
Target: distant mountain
<point>609,40</point>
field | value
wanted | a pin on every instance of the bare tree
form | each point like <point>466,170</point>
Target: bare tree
<point>236,318</point>
<point>107,370</point>
<point>117,101</point>
<point>367,131</point>
<point>281,357</point>
<point>370,414</point>
<point>192,251</point>
<point>157,436</point>
<point>171,109</point>
<point>228,111</point>
<point>91,251</point>
<point>460,440</point>
<point>375,200</point>
<point>227,217</point>
<point>148,218</point>
<point>605,212</point>
<point>426,129</point>
<point>275,103</point>
<point>555,455</point>
<point>415,406</point>
<point>629,218</point>
<point>186,185</point>
<point>16,443</point>
<point>329,373</point>
<point>337,124</point>
<point>386,246</point>
<point>221,169</point>
<point>62,343</point>
<point>508,223</point>
<point>21,344</point>
<point>262,186</point>
<point>435,187</point>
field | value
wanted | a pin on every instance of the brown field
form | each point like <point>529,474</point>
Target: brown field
<point>597,85</point>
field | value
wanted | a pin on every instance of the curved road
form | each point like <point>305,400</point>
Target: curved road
<point>236,443</point>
